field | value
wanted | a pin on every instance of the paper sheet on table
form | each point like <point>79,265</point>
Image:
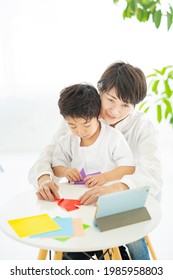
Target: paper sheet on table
<point>69,204</point>
<point>66,230</point>
<point>78,227</point>
<point>33,225</point>
<point>63,239</point>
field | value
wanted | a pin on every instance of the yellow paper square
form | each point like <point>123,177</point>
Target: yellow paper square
<point>33,225</point>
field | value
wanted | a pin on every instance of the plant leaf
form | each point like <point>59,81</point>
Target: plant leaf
<point>139,14</point>
<point>158,71</point>
<point>142,105</point>
<point>162,72</point>
<point>150,5</point>
<point>169,20</point>
<point>146,110</point>
<point>168,91</point>
<point>166,113</point>
<point>151,75</point>
<point>170,75</point>
<point>168,105</point>
<point>133,5</point>
<point>159,113</point>
<point>154,86</point>
<point>157,15</point>
<point>171,120</point>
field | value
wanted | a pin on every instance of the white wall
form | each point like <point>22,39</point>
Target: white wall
<point>48,44</point>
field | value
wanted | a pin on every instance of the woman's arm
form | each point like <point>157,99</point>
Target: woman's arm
<point>42,168</point>
<point>118,173</point>
<point>148,164</point>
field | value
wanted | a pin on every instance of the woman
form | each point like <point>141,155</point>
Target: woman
<point>121,87</point>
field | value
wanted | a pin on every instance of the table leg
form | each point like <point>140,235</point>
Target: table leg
<point>42,254</point>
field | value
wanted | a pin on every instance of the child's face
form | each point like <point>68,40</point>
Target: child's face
<point>83,128</point>
<point>114,110</point>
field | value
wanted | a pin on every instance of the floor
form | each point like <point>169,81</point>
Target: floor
<point>13,176</point>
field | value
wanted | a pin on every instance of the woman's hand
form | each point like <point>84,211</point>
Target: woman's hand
<point>93,180</point>
<point>92,195</point>
<point>48,189</point>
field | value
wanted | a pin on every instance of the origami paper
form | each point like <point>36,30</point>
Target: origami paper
<point>62,239</point>
<point>85,226</point>
<point>82,172</point>
<point>78,227</point>
<point>69,204</point>
<point>66,230</point>
<point>33,225</point>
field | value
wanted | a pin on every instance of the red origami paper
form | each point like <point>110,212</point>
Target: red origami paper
<point>69,204</point>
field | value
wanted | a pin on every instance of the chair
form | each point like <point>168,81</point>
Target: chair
<point>112,253</point>
<point>151,249</point>
<point>117,256</point>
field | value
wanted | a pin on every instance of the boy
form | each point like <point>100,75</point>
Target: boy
<point>84,145</point>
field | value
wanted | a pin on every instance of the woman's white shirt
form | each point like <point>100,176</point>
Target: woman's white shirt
<point>142,138</point>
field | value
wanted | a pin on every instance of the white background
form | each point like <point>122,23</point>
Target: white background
<point>46,45</point>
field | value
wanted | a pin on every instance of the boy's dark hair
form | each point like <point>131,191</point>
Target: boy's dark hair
<point>128,81</point>
<point>79,101</point>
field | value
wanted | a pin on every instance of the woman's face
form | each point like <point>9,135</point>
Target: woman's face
<point>114,110</point>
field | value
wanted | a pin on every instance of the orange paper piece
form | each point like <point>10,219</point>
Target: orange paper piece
<point>78,227</point>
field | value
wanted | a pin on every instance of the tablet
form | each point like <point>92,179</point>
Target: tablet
<point>121,208</point>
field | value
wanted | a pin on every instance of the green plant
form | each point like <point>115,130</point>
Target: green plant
<point>160,94</point>
<point>160,83</point>
<point>143,10</point>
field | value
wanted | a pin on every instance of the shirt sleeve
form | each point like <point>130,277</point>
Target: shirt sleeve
<point>148,164</point>
<point>61,154</point>
<point>122,154</point>
<point>43,164</point>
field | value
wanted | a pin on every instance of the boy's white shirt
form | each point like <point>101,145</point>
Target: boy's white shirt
<point>109,151</point>
<point>142,138</point>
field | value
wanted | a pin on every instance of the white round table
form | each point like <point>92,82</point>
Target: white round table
<point>27,204</point>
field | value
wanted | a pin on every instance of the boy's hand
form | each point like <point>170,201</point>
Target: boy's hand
<point>94,180</point>
<point>73,175</point>
<point>48,190</point>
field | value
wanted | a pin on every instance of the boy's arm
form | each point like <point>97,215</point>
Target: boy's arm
<point>59,171</point>
<point>121,156</point>
<point>71,174</point>
<point>113,175</point>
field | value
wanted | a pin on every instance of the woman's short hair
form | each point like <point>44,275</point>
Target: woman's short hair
<point>128,81</point>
